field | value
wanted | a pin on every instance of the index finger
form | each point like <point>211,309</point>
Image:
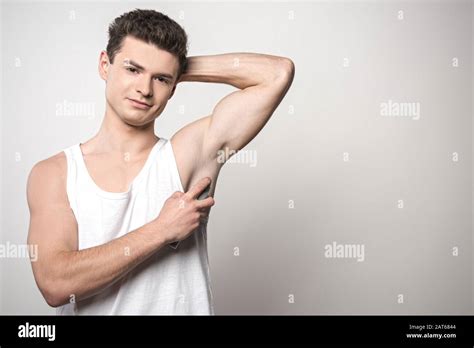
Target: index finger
<point>200,186</point>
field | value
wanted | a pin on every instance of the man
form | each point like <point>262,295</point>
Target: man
<point>105,213</point>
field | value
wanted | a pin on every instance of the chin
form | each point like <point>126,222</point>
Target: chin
<point>139,119</point>
<point>142,124</point>
<point>135,122</point>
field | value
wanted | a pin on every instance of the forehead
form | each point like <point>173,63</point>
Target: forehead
<point>152,58</point>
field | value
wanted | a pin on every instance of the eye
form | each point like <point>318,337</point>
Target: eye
<point>161,79</point>
<point>133,70</point>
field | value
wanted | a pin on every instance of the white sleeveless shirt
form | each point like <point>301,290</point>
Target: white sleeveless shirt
<point>171,281</point>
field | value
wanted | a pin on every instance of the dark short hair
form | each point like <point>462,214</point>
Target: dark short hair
<point>152,27</point>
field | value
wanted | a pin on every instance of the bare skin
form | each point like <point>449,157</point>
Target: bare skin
<point>116,154</point>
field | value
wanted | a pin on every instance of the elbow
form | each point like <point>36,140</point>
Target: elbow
<point>285,70</point>
<point>53,286</point>
<point>53,298</point>
<point>289,67</point>
<point>54,294</point>
<point>52,302</point>
<point>286,67</point>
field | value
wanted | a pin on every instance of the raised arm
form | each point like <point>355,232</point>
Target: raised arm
<point>262,80</point>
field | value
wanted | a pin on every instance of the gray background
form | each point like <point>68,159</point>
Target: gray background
<point>50,53</point>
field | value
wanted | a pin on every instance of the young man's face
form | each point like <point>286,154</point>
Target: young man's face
<point>138,74</point>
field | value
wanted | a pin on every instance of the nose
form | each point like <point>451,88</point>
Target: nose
<point>144,87</point>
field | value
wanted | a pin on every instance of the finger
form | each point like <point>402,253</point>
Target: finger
<point>204,210</point>
<point>205,203</point>
<point>204,217</point>
<point>177,194</point>
<point>197,189</point>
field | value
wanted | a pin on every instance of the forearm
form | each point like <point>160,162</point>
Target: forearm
<point>81,274</point>
<point>240,70</point>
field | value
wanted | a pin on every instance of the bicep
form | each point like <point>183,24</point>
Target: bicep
<point>234,122</point>
<point>53,227</point>
<point>241,115</point>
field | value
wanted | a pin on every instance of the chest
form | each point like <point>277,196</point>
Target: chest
<point>114,173</point>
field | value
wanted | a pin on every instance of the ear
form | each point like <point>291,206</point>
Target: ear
<point>104,64</point>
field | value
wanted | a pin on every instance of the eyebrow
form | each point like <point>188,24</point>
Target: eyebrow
<point>135,64</point>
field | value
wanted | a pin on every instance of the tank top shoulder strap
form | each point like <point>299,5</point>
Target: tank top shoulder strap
<point>170,159</point>
<point>72,174</point>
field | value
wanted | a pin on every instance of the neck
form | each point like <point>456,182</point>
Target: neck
<point>117,136</point>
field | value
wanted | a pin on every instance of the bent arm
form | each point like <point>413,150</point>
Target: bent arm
<point>263,81</point>
<point>61,271</point>
<point>84,273</point>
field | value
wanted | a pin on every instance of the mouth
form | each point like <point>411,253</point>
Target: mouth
<point>139,104</point>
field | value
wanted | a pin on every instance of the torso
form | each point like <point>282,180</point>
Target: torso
<point>111,174</point>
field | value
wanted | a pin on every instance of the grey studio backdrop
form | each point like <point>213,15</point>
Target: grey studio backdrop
<point>370,151</point>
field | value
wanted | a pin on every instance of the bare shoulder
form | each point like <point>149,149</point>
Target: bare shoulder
<point>53,226</point>
<point>47,181</point>
<point>54,167</point>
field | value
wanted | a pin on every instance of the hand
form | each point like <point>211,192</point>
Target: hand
<point>182,212</point>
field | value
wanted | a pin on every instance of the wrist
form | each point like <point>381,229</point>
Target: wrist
<point>153,232</point>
